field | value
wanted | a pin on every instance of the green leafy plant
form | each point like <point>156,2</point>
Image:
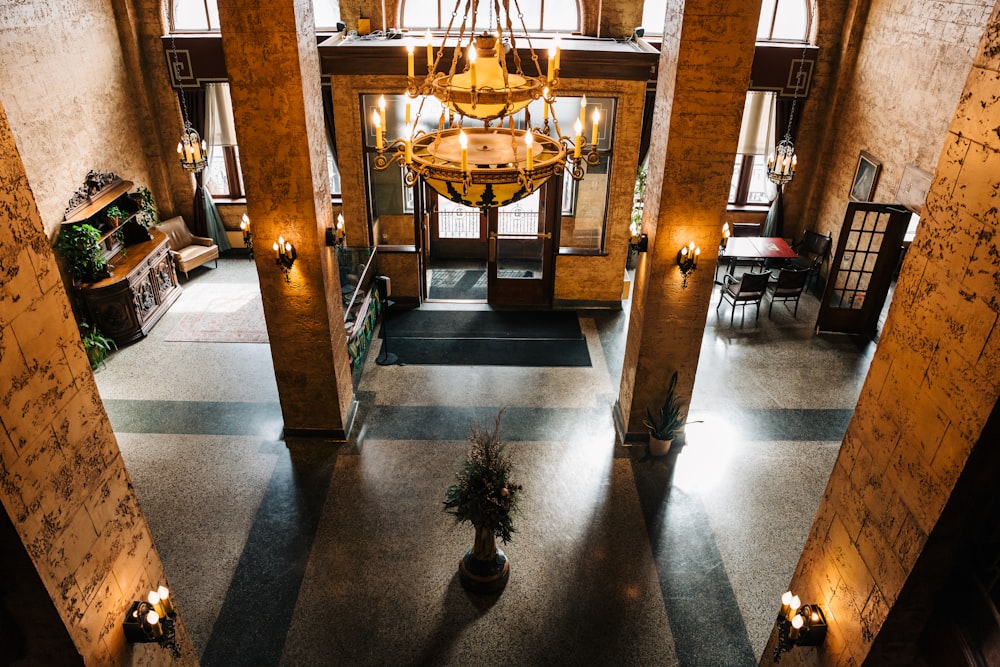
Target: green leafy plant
<point>97,345</point>
<point>115,215</point>
<point>667,423</point>
<point>638,200</point>
<point>483,493</point>
<point>80,245</point>
<point>148,216</point>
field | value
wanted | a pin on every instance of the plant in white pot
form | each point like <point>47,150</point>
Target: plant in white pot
<point>485,496</point>
<point>667,423</point>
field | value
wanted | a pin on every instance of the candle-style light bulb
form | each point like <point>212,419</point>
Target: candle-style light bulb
<point>340,221</point>
<point>429,39</point>
<point>381,111</point>
<point>793,606</point>
<point>153,621</point>
<point>697,253</point>
<point>377,122</point>
<point>578,126</point>
<point>463,141</point>
<point>597,123</point>
<point>552,63</point>
<point>583,109</point>
<point>164,593</point>
<point>786,597</point>
<point>472,66</point>
<point>545,103</point>
<point>558,45</point>
<point>409,57</point>
<point>529,145</point>
<point>797,623</point>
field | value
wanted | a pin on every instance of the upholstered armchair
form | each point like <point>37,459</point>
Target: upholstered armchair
<point>743,291</point>
<point>187,249</point>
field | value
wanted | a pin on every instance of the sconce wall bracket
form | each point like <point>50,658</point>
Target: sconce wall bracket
<point>811,633</point>
<point>138,630</point>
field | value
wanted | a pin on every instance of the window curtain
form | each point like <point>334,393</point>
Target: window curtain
<point>219,132</point>
<point>331,133</point>
<point>774,224</point>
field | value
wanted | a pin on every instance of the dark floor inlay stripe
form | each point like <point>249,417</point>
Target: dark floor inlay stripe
<point>195,417</point>
<point>255,616</point>
<point>705,619</point>
<point>450,423</point>
<point>781,423</point>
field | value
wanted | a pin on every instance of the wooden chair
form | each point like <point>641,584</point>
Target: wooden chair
<point>788,287</point>
<point>746,228</point>
<point>743,291</point>
<point>812,250</point>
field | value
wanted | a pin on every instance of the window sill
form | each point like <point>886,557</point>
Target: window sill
<point>748,208</point>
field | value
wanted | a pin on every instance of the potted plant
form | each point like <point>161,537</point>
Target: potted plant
<point>667,423</point>
<point>148,216</point>
<point>115,216</point>
<point>96,345</point>
<point>485,496</point>
<point>80,245</point>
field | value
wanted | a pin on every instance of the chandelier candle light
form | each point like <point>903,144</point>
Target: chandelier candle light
<point>782,164</point>
<point>499,162</point>
<point>192,151</point>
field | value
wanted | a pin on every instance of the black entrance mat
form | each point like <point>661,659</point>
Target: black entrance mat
<point>487,338</point>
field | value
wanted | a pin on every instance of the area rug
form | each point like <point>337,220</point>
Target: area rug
<point>487,338</point>
<point>225,319</point>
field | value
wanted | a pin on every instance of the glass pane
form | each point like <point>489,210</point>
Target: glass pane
<point>332,171</point>
<point>564,15</point>
<point>654,13</point>
<point>764,25</point>
<point>190,15</point>
<point>734,185</point>
<point>531,10</point>
<point>213,14</point>
<point>521,217</point>
<point>216,180</point>
<point>792,20</point>
<point>585,227</point>
<point>456,221</point>
<point>420,14</point>
<point>758,190</point>
<point>387,190</point>
<point>239,169</point>
<point>519,257</point>
<point>327,13</point>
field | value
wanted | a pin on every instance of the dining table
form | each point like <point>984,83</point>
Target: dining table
<point>754,249</point>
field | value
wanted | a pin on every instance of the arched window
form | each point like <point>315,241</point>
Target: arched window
<point>780,20</point>
<point>203,15</point>
<point>539,15</point>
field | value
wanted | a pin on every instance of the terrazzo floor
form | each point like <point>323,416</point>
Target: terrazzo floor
<point>304,552</point>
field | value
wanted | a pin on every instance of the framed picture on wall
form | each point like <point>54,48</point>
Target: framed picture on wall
<point>912,189</point>
<point>865,177</point>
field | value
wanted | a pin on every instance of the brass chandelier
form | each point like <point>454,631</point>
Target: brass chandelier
<point>496,163</point>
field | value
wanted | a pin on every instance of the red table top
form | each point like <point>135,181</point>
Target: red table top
<point>758,247</point>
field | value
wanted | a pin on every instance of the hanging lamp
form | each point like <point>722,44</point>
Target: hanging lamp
<point>191,150</point>
<point>495,163</point>
<point>782,164</point>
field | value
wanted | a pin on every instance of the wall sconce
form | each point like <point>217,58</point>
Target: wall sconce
<point>341,232</point>
<point>247,236</point>
<point>640,243</point>
<point>687,259</point>
<point>152,620</point>
<point>286,256</point>
<point>725,235</point>
<point>798,625</point>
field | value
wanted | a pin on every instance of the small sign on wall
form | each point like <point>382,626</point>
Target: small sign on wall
<point>913,187</point>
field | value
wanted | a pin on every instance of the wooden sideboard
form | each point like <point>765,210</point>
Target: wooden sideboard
<point>141,288</point>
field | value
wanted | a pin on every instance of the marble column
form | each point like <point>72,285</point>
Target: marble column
<point>702,80</point>
<point>274,74</point>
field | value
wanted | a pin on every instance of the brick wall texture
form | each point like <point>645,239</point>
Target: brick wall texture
<point>933,382</point>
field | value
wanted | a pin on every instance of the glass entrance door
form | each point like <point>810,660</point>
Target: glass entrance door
<point>521,262</point>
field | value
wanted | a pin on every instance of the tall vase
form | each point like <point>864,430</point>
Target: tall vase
<point>484,568</point>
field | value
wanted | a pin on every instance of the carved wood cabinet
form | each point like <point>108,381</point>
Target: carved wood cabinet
<point>141,288</point>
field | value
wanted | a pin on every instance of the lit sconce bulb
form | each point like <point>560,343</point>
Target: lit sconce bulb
<point>578,127</point>
<point>153,621</point>
<point>180,148</point>
<point>597,124</point>
<point>275,246</point>
<point>797,623</point>
<point>154,602</point>
<point>786,597</point>
<point>697,254</point>
<point>245,222</point>
<point>793,606</point>
<point>165,602</point>
<point>381,112</point>
<point>288,248</point>
<point>377,122</point>
<point>340,221</point>
<point>409,57</point>
<point>583,109</point>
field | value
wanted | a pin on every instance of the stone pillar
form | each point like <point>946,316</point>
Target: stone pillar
<point>917,440</point>
<point>63,483</point>
<point>274,77</point>
<point>702,80</point>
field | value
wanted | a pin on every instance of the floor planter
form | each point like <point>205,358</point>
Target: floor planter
<point>659,447</point>
<point>484,568</point>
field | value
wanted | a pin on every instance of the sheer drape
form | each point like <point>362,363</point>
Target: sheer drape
<point>219,132</point>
